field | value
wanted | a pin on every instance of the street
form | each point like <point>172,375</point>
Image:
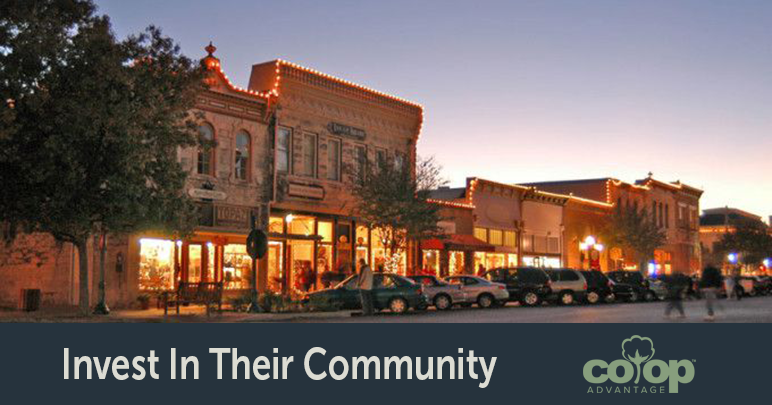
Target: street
<point>758,309</point>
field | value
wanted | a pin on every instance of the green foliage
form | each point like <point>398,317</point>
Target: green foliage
<point>393,200</point>
<point>91,125</point>
<point>751,239</point>
<point>635,230</point>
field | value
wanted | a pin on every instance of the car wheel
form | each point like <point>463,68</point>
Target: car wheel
<point>530,299</point>
<point>566,298</point>
<point>650,296</point>
<point>633,297</point>
<point>485,301</point>
<point>398,305</point>
<point>593,297</point>
<point>610,298</point>
<point>442,302</point>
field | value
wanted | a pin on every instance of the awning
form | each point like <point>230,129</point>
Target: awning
<point>457,242</point>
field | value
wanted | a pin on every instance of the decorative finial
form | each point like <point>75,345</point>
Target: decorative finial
<point>210,49</point>
<point>651,174</point>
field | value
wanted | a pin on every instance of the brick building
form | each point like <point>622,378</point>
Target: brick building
<point>673,206</point>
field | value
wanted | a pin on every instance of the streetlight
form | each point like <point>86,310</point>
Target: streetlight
<point>592,250</point>
<point>732,257</point>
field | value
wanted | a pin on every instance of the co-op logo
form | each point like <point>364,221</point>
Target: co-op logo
<point>638,353</point>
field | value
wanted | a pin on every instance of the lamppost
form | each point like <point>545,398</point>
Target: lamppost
<point>592,250</point>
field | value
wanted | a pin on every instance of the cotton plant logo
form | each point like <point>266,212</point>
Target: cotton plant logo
<point>637,361</point>
<point>639,345</point>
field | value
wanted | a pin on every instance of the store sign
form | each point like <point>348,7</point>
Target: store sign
<point>305,191</point>
<point>347,131</point>
<point>205,194</point>
<point>232,217</point>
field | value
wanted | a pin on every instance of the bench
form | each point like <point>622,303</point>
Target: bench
<point>194,293</point>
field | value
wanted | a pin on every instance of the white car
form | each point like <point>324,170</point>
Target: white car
<point>479,290</point>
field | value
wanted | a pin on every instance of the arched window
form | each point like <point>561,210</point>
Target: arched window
<point>242,155</point>
<point>206,154</point>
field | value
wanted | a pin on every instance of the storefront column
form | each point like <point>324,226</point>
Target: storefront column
<point>262,274</point>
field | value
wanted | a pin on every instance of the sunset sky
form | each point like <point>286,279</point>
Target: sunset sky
<point>525,91</point>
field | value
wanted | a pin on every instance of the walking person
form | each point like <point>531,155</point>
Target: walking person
<point>729,286</point>
<point>676,285</point>
<point>365,284</point>
<point>710,282</point>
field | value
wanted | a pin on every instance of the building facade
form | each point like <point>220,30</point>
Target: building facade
<point>717,222</point>
<point>326,132</point>
<point>673,206</point>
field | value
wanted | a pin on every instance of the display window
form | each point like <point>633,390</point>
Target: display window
<point>237,267</point>
<point>275,266</point>
<point>431,262</point>
<point>301,225</point>
<point>301,257</point>
<point>156,264</point>
<point>195,263</point>
<point>456,262</point>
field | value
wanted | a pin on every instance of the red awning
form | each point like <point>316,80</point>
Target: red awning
<point>457,242</point>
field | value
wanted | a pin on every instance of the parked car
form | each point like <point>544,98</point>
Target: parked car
<point>390,291</point>
<point>658,287</point>
<point>438,292</point>
<point>638,283</point>
<point>528,285</point>
<point>599,287</point>
<point>568,286</point>
<point>479,290</point>
<point>746,285</point>
<point>763,285</point>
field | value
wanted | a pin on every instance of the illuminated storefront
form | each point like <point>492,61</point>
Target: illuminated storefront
<point>455,254</point>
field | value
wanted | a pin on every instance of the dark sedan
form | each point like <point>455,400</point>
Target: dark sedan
<point>390,291</point>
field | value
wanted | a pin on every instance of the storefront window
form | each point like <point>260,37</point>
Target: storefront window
<point>156,264</point>
<point>491,260</point>
<point>323,264</point>
<point>511,260</point>
<point>363,235</point>
<point>325,231</point>
<point>237,267</point>
<point>210,267</point>
<point>301,256</point>
<point>301,225</point>
<point>343,236</point>
<point>275,266</point>
<point>541,261</point>
<point>276,225</point>
<point>456,263</point>
<point>431,262</point>
<point>194,263</point>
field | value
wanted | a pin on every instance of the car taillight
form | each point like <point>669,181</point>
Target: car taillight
<point>502,287</point>
<point>585,285</point>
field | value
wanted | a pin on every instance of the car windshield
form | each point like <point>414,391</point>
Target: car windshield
<point>350,283</point>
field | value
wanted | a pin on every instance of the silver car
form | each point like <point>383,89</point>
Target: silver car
<point>568,286</point>
<point>479,290</point>
<point>439,293</point>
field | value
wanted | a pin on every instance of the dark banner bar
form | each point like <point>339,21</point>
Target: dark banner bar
<point>384,364</point>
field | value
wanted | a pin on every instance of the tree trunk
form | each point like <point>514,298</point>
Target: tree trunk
<point>83,299</point>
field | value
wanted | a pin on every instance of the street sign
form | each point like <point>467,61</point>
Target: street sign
<point>257,244</point>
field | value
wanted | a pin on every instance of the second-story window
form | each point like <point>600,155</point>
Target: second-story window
<point>308,167</point>
<point>283,145</point>
<point>333,159</point>
<point>205,161</point>
<point>242,155</point>
<point>360,163</point>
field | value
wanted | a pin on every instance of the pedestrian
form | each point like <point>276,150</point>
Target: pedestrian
<point>480,270</point>
<point>709,284</point>
<point>675,287</point>
<point>729,286</point>
<point>365,284</point>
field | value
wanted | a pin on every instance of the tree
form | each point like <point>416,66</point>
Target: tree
<point>634,230</point>
<point>90,137</point>
<point>749,239</point>
<point>393,199</point>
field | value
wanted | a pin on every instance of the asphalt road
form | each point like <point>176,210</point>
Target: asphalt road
<point>756,309</point>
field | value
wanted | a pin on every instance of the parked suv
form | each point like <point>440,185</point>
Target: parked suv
<point>528,285</point>
<point>637,282</point>
<point>599,287</point>
<point>568,286</point>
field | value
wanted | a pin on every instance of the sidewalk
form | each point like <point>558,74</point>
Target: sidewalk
<point>191,314</point>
